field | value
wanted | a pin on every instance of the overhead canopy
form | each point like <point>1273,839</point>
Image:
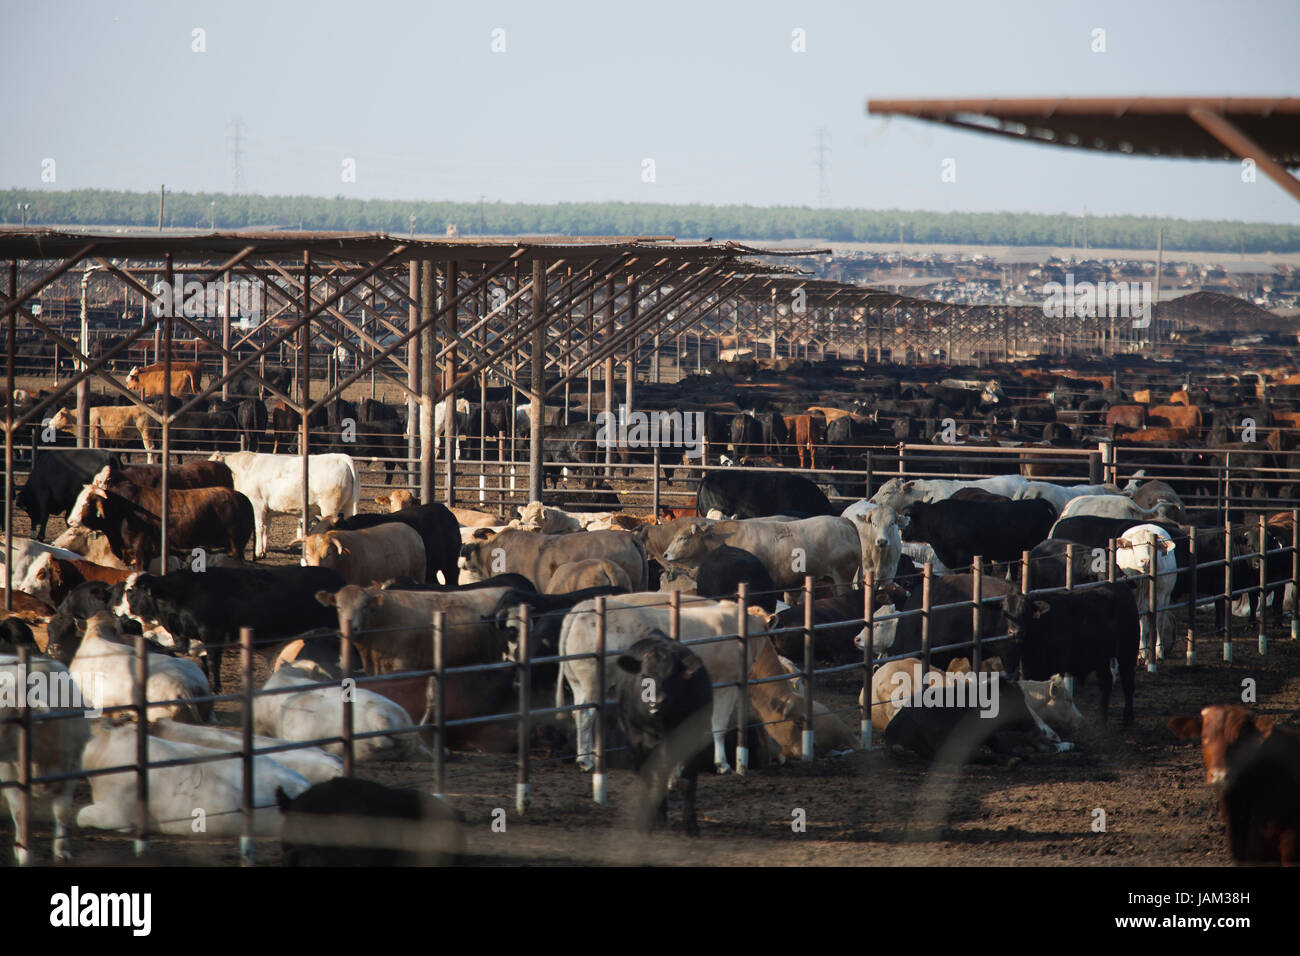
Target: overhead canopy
<point>1264,129</point>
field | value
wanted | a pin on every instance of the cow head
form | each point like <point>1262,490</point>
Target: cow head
<point>1019,612</point>
<point>1141,547</point>
<point>1224,731</point>
<point>89,510</point>
<point>663,667</point>
<point>352,603</point>
<point>133,378</point>
<point>690,545</point>
<point>64,420</point>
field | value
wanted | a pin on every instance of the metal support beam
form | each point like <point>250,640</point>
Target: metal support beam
<point>537,395</point>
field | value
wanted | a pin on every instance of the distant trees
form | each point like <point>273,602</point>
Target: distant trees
<point>191,210</point>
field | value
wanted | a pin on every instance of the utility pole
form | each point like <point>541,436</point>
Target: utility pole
<point>161,191</point>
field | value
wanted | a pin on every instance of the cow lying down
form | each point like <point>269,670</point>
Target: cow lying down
<point>180,796</point>
<point>313,763</point>
<point>945,726</point>
<point>317,712</point>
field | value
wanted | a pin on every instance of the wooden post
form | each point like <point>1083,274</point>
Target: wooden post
<point>1191,597</point>
<point>141,747</point>
<point>977,613</point>
<point>868,655</point>
<point>345,664</point>
<point>525,681</point>
<point>1263,585</point>
<point>742,703</point>
<point>598,758</point>
<point>1227,583</point>
<point>439,710</point>
<point>808,744</point>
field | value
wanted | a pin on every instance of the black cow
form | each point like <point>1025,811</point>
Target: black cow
<point>759,495</point>
<point>951,625</point>
<point>210,431</point>
<point>245,384</point>
<point>959,530</point>
<point>208,608</point>
<point>496,581</point>
<point>351,822</point>
<point>437,528</point>
<point>1077,633</point>
<point>380,439</point>
<point>572,444</point>
<point>722,570</point>
<point>56,479</point>
<point>956,729</point>
<point>373,410</point>
<point>746,435</point>
<point>15,633</point>
<point>1047,563</point>
<point>665,702</point>
<point>546,615</point>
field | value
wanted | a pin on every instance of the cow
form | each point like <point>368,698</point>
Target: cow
<point>55,747</point>
<point>26,553</point>
<point>436,526</point>
<point>538,556</point>
<point>591,573</point>
<point>117,423</point>
<point>1047,564</point>
<point>190,474</point>
<point>823,547</point>
<point>56,479</point>
<point>1184,418</point>
<point>175,791</point>
<point>368,556</point>
<point>630,618</point>
<point>1137,551</point>
<point>52,579</point>
<point>899,493</point>
<point>879,537</point>
<point>315,712</point>
<point>808,432</point>
<point>130,517</point>
<point>749,495</point>
<point>1256,765</point>
<point>1151,495</point>
<point>392,633</point>
<point>204,611</point>
<point>92,546</point>
<point>351,822</point>
<point>208,431</point>
<point>949,626</point>
<point>951,730</point>
<point>960,530</point>
<point>273,484</point>
<point>546,615</point>
<point>1129,417</point>
<point>665,700</point>
<point>721,571</point>
<point>837,622</point>
<point>1106,506</point>
<point>1078,633</point>
<point>151,380</point>
<point>314,764</point>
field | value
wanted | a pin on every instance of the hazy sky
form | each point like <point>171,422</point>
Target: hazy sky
<point>583,93</point>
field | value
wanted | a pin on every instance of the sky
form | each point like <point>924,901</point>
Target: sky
<point>568,101</point>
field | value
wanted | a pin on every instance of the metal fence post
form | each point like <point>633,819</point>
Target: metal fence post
<point>868,654</point>
<point>1263,587</point>
<point>675,615</point>
<point>927,573</point>
<point>1157,653</point>
<point>1227,583</point>
<point>808,746</point>
<point>655,486</point>
<point>742,706</point>
<point>247,848</point>
<point>977,612</point>
<point>598,773</point>
<point>1191,597</point>
<point>1295,573</point>
<point>439,710</point>
<point>345,662</point>
<point>23,834</point>
<point>525,678</point>
<point>142,744</point>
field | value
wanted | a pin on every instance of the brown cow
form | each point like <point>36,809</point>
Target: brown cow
<point>1257,766</point>
<point>192,474</point>
<point>808,431</point>
<point>1153,436</point>
<point>130,517</point>
<point>52,579</point>
<point>118,423</point>
<point>1127,416</point>
<point>1186,417</point>
<point>151,379</point>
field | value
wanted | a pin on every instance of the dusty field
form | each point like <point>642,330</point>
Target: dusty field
<point>867,808</point>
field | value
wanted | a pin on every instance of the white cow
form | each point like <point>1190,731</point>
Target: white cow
<point>1106,506</point>
<point>631,617</point>
<point>1060,495</point>
<point>898,493</point>
<point>26,551</point>
<point>313,763</point>
<point>824,547</point>
<point>105,671</point>
<point>462,424</point>
<point>317,712</point>
<point>878,536</point>
<point>1135,552</point>
<point>56,744</point>
<point>180,796</point>
<point>273,483</point>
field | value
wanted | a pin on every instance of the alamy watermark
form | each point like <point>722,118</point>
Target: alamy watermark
<point>652,430</point>
<point>948,690</point>
<point>1128,300</point>
<point>53,689</point>
<point>195,299</point>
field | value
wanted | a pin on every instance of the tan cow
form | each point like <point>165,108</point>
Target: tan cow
<point>591,573</point>
<point>370,555</point>
<point>114,423</point>
<point>151,379</point>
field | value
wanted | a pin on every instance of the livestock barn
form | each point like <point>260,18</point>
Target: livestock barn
<point>855,597</point>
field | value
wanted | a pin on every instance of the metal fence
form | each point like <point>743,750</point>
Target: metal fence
<point>435,720</point>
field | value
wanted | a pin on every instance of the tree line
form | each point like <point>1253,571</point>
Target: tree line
<point>239,211</point>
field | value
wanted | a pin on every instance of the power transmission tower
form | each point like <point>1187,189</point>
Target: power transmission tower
<point>823,167</point>
<point>235,138</point>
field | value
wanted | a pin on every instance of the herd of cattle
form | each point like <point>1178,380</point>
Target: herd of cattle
<point>1107,566</point>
